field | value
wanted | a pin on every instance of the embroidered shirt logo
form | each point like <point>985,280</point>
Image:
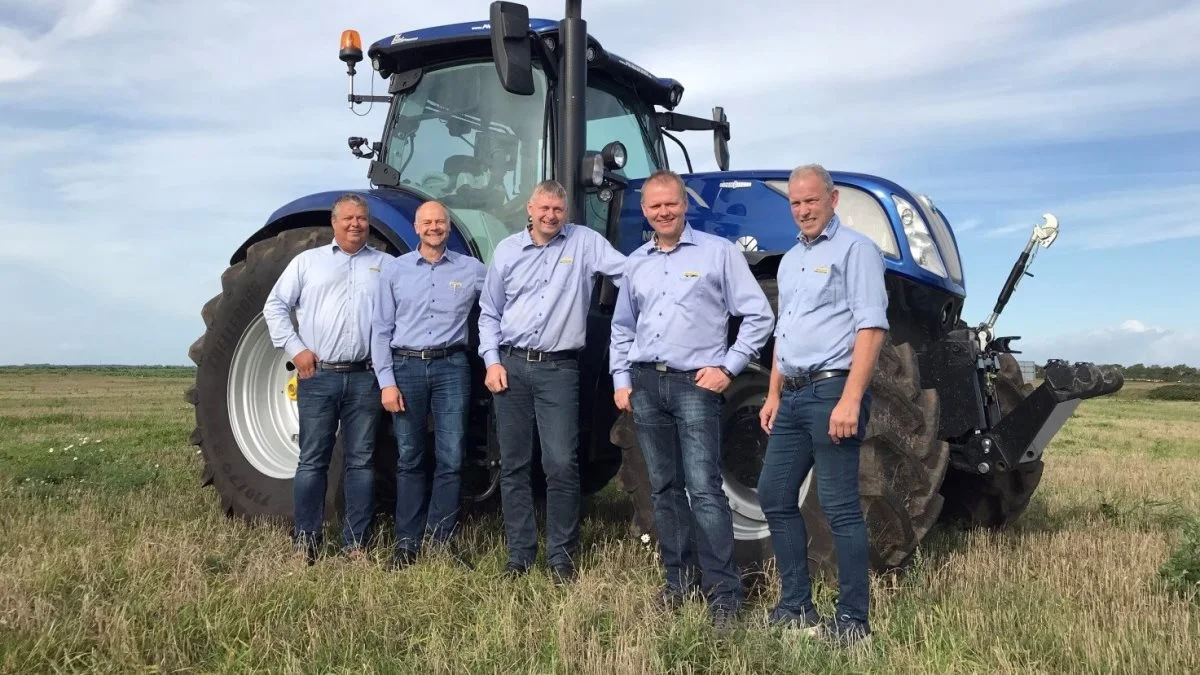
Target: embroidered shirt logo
<point>456,285</point>
<point>566,261</point>
<point>372,269</point>
<point>821,270</point>
<point>691,275</point>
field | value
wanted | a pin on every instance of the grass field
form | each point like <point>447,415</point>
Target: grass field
<point>113,559</point>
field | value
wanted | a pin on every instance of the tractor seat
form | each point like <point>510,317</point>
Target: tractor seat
<point>456,164</point>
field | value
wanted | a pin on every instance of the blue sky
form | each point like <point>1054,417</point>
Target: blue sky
<point>140,142</point>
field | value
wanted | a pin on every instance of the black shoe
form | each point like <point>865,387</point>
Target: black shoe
<point>807,621</point>
<point>515,570</point>
<point>668,600</point>
<point>455,553</point>
<point>401,558</point>
<point>562,573</point>
<point>723,617</point>
<point>845,632</point>
<point>307,549</point>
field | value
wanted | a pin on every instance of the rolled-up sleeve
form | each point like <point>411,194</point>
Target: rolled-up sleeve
<point>865,288</point>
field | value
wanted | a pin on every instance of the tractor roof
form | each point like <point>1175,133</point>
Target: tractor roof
<point>471,40</point>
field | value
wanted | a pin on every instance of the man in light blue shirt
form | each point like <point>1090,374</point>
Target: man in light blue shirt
<point>832,325</point>
<point>419,350</point>
<point>670,365</point>
<point>532,315</point>
<point>332,287</point>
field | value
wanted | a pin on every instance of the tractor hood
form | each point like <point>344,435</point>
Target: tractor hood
<point>750,208</point>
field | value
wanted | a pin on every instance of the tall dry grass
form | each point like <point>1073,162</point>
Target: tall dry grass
<point>117,561</point>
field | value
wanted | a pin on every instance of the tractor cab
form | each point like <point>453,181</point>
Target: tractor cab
<point>462,129</point>
<point>458,136</point>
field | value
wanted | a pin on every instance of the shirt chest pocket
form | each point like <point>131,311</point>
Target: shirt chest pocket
<point>818,286</point>
<point>364,282</point>
<point>694,290</point>
<point>452,295</point>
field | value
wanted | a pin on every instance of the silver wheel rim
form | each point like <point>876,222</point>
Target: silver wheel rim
<point>264,419</point>
<point>749,521</point>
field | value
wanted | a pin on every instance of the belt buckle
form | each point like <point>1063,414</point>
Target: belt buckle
<point>660,367</point>
<point>529,356</point>
<point>423,355</point>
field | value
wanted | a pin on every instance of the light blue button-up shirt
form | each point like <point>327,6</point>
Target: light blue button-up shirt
<point>422,305</point>
<point>674,308</point>
<point>333,294</point>
<point>829,289</point>
<point>536,297</point>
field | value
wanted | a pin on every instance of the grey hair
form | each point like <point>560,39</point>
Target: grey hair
<point>816,169</point>
<point>351,198</point>
<point>549,188</point>
<point>662,177</point>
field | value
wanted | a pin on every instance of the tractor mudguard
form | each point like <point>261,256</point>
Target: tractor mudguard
<point>391,215</point>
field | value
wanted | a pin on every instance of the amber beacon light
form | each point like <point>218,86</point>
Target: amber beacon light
<point>351,51</point>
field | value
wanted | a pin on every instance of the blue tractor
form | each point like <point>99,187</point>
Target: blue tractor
<point>477,114</point>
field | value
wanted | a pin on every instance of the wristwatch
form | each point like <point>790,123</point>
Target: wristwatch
<point>725,370</point>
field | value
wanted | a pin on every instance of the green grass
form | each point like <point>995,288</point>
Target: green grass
<point>1175,392</point>
<point>114,559</point>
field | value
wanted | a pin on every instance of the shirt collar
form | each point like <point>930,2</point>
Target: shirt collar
<point>447,257</point>
<point>688,236</point>
<point>829,232</point>
<point>334,248</point>
<point>527,238</point>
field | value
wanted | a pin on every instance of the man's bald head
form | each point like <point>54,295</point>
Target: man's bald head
<point>432,224</point>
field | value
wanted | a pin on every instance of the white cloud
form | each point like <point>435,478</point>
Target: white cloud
<point>1120,218</point>
<point>141,142</point>
<point>1128,343</point>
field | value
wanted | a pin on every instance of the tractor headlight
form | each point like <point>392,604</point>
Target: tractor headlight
<point>920,241</point>
<point>614,155</point>
<point>591,170</point>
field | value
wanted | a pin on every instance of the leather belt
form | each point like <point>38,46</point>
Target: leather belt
<point>799,381</point>
<point>426,354</point>
<point>536,356</point>
<point>344,366</point>
<point>662,367</point>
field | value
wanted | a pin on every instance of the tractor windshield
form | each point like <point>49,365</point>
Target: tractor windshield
<point>459,137</point>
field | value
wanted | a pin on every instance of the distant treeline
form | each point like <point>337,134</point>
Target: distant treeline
<point>134,371</point>
<point>1137,371</point>
<point>1155,373</point>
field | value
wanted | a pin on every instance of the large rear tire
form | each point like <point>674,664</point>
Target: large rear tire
<point>902,466</point>
<point>247,424</point>
<point>997,499</point>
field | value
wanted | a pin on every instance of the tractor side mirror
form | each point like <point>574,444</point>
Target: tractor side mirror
<point>721,137</point>
<point>511,48</point>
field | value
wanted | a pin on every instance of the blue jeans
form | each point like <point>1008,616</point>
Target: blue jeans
<point>799,441</point>
<point>679,430</point>
<point>441,387</point>
<point>545,393</point>
<point>323,400</point>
